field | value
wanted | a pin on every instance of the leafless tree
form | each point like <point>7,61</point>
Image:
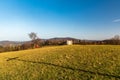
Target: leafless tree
<point>33,36</point>
<point>116,37</point>
<point>35,40</point>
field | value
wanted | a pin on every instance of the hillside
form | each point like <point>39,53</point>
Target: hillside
<point>62,63</point>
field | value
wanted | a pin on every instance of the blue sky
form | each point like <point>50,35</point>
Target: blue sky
<point>82,19</point>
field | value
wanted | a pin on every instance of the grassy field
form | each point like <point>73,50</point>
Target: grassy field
<point>77,62</point>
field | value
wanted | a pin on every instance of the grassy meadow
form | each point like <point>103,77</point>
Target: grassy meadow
<point>76,62</point>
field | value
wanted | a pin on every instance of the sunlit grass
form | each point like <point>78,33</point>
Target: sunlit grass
<point>77,62</point>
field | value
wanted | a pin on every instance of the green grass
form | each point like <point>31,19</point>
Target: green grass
<point>77,62</point>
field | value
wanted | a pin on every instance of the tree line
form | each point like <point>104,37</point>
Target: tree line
<point>36,42</point>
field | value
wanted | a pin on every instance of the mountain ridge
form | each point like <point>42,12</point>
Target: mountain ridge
<point>8,42</point>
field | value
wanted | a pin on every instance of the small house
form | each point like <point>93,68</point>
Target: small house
<point>69,42</point>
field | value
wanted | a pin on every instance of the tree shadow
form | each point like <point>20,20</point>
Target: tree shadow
<point>12,58</point>
<point>70,68</point>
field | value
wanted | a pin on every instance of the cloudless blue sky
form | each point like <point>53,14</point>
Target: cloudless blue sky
<point>82,19</point>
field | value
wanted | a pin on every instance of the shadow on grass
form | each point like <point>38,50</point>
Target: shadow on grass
<point>70,68</point>
<point>12,58</point>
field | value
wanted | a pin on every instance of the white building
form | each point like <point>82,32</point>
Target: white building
<point>69,42</point>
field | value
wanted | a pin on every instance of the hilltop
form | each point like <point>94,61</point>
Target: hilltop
<point>62,63</point>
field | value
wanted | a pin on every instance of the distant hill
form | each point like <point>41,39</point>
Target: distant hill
<point>7,43</point>
<point>63,38</point>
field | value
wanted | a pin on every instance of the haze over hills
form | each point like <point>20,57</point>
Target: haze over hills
<point>53,40</point>
<point>7,42</point>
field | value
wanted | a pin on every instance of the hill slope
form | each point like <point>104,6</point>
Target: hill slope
<point>62,63</point>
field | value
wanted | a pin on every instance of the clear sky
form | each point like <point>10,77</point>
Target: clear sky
<point>82,19</point>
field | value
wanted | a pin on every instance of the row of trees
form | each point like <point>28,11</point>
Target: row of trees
<point>36,42</point>
<point>114,41</point>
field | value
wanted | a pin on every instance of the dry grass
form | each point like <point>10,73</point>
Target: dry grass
<point>87,62</point>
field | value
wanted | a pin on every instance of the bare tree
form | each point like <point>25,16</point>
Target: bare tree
<point>33,36</point>
<point>116,40</point>
<point>116,37</point>
<point>35,40</point>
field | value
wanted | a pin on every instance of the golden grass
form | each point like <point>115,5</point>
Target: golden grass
<point>76,62</point>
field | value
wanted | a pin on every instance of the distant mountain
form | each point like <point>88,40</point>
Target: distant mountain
<point>63,38</point>
<point>7,43</point>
